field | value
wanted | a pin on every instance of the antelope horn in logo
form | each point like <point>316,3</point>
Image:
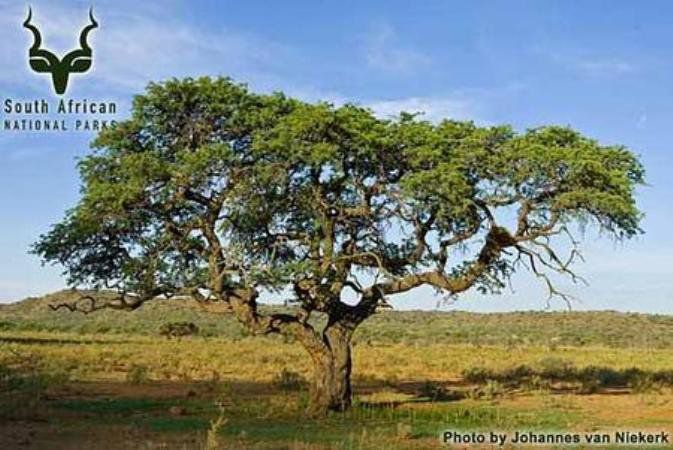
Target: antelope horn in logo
<point>37,42</point>
<point>85,32</point>
<point>43,61</point>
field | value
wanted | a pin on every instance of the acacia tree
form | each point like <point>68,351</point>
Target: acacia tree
<point>212,192</point>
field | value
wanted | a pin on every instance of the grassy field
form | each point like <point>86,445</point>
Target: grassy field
<point>73,381</point>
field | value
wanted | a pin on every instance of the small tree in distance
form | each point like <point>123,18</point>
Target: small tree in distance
<point>216,193</point>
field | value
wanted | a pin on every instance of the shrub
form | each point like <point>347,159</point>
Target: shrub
<point>178,329</point>
<point>603,376</point>
<point>556,368</point>
<point>641,384</point>
<point>433,391</point>
<point>476,374</point>
<point>288,380</point>
<point>492,390</point>
<point>137,373</point>
<point>517,375</point>
<point>589,386</point>
<point>538,383</point>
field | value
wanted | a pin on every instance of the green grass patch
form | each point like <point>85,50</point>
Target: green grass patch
<point>176,424</point>
<point>112,405</point>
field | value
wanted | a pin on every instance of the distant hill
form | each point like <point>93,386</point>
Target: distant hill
<point>603,328</point>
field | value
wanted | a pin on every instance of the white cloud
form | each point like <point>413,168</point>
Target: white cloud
<point>478,104</point>
<point>432,108</point>
<point>137,49</point>
<point>133,48</point>
<point>589,65</point>
<point>313,94</point>
<point>383,52</point>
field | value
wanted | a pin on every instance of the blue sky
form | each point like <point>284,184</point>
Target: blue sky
<point>603,67</point>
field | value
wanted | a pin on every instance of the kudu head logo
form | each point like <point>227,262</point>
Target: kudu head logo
<point>43,61</point>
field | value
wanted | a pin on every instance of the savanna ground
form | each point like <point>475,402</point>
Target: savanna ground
<point>111,381</point>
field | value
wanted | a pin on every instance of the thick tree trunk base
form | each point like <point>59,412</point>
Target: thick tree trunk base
<point>329,391</point>
<point>331,385</point>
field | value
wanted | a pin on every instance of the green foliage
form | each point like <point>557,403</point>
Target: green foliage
<point>210,187</point>
<point>182,135</point>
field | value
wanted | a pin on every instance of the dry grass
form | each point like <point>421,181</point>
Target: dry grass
<point>237,382</point>
<point>110,357</point>
<point>69,380</point>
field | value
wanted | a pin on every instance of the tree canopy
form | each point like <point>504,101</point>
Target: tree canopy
<point>212,191</point>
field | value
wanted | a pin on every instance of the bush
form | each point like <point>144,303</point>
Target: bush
<point>603,376</point>
<point>538,383</point>
<point>137,374</point>
<point>589,386</point>
<point>288,380</point>
<point>476,374</point>
<point>492,390</point>
<point>516,375</point>
<point>641,384</point>
<point>556,368</point>
<point>435,392</point>
<point>432,391</point>
<point>512,376</point>
<point>178,329</point>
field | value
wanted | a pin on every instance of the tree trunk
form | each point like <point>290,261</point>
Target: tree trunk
<point>330,389</point>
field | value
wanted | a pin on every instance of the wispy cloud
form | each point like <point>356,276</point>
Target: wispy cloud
<point>383,51</point>
<point>432,108</point>
<point>138,49</point>
<point>588,64</point>
<point>479,104</point>
<point>133,48</point>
